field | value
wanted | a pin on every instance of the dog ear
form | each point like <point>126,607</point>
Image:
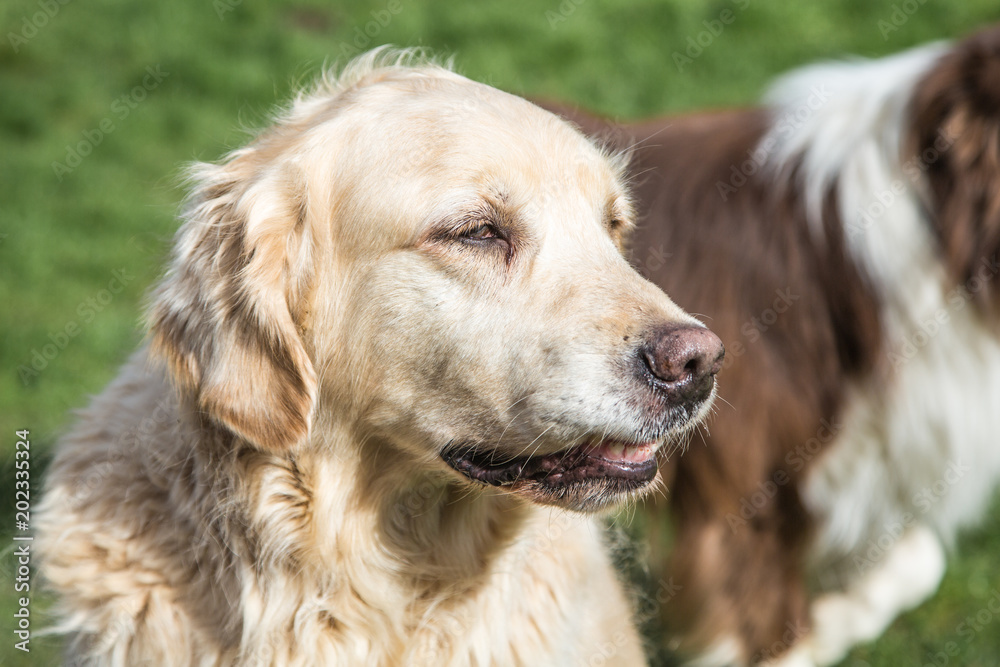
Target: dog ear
<point>956,143</point>
<point>221,317</point>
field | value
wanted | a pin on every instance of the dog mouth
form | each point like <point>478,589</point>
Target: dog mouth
<point>581,477</point>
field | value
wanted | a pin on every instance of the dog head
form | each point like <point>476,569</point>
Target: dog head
<point>437,265</point>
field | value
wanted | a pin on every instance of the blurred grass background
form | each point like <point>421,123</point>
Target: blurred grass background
<point>69,72</point>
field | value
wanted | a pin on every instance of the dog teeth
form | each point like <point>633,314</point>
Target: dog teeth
<point>616,450</point>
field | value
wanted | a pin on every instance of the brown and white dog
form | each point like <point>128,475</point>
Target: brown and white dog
<point>844,242</point>
<point>403,343</point>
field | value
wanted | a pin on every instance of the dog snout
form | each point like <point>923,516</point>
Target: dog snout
<point>683,361</point>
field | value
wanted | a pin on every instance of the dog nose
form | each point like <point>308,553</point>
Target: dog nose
<point>684,360</point>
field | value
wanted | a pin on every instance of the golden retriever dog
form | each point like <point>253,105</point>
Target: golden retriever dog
<point>397,363</point>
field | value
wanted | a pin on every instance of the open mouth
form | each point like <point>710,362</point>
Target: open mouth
<point>581,476</point>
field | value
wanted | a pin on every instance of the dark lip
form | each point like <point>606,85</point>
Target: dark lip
<point>574,466</point>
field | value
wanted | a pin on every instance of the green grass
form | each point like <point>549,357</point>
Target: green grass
<point>62,236</point>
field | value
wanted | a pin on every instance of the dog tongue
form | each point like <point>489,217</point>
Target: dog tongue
<point>620,452</point>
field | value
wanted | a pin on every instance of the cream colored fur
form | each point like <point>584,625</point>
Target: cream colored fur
<point>262,484</point>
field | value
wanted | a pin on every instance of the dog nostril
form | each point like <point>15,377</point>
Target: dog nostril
<point>684,359</point>
<point>720,357</point>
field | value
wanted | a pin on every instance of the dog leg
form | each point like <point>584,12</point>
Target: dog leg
<point>724,651</point>
<point>909,574</point>
<point>740,595</point>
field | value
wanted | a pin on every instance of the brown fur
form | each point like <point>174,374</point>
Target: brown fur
<point>959,100</point>
<point>779,387</point>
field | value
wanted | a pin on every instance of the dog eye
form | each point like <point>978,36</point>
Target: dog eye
<point>483,232</point>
